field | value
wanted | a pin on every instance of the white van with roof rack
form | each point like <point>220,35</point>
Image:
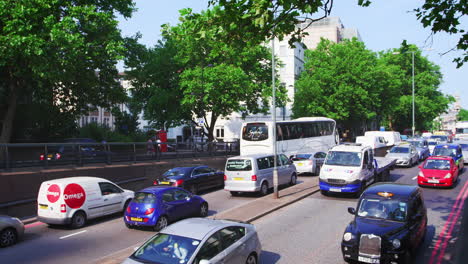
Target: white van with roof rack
<point>72,201</point>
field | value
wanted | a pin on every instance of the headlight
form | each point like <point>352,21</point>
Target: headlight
<point>421,174</point>
<point>448,176</point>
<point>396,243</point>
<point>347,236</point>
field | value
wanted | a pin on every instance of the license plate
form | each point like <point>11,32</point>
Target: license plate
<point>43,206</point>
<point>433,181</point>
<point>238,178</point>
<point>136,219</point>
<point>335,190</point>
<point>299,164</point>
<point>368,260</point>
<point>165,182</point>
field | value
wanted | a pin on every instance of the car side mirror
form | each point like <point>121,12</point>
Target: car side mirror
<point>351,210</point>
<point>204,261</point>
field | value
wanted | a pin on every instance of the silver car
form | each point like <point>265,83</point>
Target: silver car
<point>308,162</point>
<point>201,241</point>
<point>422,146</point>
<point>11,230</point>
<point>406,155</point>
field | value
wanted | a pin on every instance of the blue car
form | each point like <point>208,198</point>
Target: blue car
<point>157,206</point>
<point>451,150</point>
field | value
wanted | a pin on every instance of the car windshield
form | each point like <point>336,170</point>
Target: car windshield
<point>176,172</point>
<point>417,143</point>
<point>383,209</point>
<point>143,197</point>
<point>301,157</point>
<point>445,152</point>
<point>432,143</point>
<point>255,132</point>
<point>343,158</point>
<point>440,138</point>
<point>239,165</point>
<point>166,249</point>
<point>399,150</point>
<point>433,164</point>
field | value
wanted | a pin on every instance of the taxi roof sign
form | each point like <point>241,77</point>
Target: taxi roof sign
<point>385,194</point>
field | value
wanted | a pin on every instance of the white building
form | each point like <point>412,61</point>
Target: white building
<point>448,119</point>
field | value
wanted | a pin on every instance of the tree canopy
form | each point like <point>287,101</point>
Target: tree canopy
<point>462,115</point>
<point>61,54</point>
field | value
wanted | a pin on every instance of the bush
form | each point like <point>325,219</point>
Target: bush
<point>102,133</point>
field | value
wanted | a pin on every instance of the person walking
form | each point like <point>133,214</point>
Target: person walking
<point>150,150</point>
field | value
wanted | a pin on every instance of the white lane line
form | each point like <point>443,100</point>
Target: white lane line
<point>77,233</point>
<point>415,177</point>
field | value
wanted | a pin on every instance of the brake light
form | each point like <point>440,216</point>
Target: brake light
<point>41,157</point>
<point>225,177</point>
<point>179,183</point>
<point>128,209</point>
<point>254,177</point>
<point>155,182</point>
<point>63,208</point>
<point>149,211</point>
<point>58,156</point>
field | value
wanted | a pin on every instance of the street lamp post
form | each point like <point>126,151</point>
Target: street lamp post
<point>273,112</point>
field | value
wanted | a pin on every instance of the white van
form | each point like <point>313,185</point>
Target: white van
<point>392,137</point>
<point>375,142</point>
<point>254,173</point>
<point>72,201</point>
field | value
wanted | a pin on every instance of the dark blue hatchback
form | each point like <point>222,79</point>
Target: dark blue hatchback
<point>157,206</point>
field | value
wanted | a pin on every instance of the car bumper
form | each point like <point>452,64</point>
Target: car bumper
<point>54,221</point>
<point>150,222</point>
<point>304,169</point>
<point>236,186</point>
<point>351,252</point>
<point>431,182</point>
<point>346,188</point>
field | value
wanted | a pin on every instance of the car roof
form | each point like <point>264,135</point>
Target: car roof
<point>198,228</point>
<point>350,147</point>
<point>399,190</point>
<point>252,156</point>
<point>447,146</point>
<point>157,189</point>
<point>80,179</point>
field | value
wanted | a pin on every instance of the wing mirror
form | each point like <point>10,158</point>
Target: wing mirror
<point>351,210</point>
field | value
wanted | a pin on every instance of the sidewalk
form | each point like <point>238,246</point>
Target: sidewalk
<point>248,212</point>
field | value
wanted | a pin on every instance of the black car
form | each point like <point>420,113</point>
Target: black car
<point>193,178</point>
<point>89,150</point>
<point>390,222</point>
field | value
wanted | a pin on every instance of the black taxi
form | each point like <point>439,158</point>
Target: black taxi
<point>390,222</point>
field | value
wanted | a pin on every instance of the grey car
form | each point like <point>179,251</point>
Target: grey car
<point>464,147</point>
<point>422,146</point>
<point>201,241</point>
<point>406,155</point>
<point>11,230</point>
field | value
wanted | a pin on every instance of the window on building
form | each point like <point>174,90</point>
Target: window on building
<point>94,119</point>
<point>220,132</point>
<point>106,122</point>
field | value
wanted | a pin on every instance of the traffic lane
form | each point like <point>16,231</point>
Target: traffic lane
<point>308,231</point>
<point>100,238</point>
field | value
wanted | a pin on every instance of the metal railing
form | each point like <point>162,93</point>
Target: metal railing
<point>23,155</point>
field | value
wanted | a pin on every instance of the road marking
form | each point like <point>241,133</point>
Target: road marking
<point>74,234</point>
<point>414,178</point>
<point>446,232</point>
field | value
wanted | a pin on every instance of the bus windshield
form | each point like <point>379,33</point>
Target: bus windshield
<point>343,158</point>
<point>255,132</point>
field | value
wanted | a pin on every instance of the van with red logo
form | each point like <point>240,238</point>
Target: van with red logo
<point>73,201</point>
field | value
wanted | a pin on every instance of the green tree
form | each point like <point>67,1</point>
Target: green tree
<point>60,53</point>
<point>462,115</point>
<point>345,82</point>
<point>429,101</point>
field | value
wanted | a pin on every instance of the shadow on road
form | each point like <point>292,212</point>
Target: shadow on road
<point>268,257</point>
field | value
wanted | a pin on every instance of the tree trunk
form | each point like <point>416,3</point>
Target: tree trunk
<point>7,126</point>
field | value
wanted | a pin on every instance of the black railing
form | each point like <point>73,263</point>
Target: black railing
<point>23,155</point>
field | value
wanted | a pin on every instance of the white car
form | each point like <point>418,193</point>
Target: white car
<point>308,162</point>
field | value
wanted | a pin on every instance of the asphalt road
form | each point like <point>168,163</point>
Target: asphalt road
<point>44,244</point>
<point>310,231</point>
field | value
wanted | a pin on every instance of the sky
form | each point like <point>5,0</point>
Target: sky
<point>382,26</point>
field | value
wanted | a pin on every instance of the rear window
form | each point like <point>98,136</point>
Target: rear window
<point>399,150</point>
<point>142,197</point>
<point>301,157</point>
<point>255,132</point>
<point>176,172</point>
<point>443,151</point>
<point>239,165</point>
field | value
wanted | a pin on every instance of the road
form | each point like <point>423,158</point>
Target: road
<point>44,244</point>
<point>310,230</point>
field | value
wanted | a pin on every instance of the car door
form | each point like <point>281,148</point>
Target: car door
<point>417,221</point>
<point>112,198</point>
<point>174,204</point>
<point>200,178</point>
<point>212,250</point>
<point>216,178</point>
<point>234,247</point>
<point>284,172</point>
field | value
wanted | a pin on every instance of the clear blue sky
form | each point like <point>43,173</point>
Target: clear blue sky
<point>382,26</point>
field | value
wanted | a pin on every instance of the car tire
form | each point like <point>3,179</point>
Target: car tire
<point>193,189</point>
<point>234,193</point>
<point>264,189</point>
<point>129,226</point>
<point>251,259</point>
<point>203,210</point>
<point>8,237</point>
<point>161,223</point>
<point>293,180</point>
<point>78,220</point>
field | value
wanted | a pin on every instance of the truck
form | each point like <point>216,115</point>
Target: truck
<point>350,168</point>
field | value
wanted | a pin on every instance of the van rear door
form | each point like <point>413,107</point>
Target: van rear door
<point>50,199</point>
<point>239,170</point>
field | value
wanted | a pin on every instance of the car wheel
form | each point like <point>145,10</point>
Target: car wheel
<point>129,226</point>
<point>264,189</point>
<point>251,259</point>
<point>8,237</point>
<point>78,220</point>
<point>234,193</point>
<point>293,180</point>
<point>161,223</point>
<point>203,210</point>
<point>193,189</point>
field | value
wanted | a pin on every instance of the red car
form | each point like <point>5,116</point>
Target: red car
<point>438,171</point>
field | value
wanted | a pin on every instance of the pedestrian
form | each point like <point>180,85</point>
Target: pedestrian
<point>150,147</point>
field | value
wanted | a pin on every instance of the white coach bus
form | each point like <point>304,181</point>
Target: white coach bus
<point>302,135</point>
<point>461,130</point>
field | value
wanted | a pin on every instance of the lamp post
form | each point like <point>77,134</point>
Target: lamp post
<point>273,112</point>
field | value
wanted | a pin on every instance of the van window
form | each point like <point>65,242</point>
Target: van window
<point>284,159</point>
<point>264,163</point>
<point>272,161</point>
<point>239,165</point>
<point>109,188</point>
